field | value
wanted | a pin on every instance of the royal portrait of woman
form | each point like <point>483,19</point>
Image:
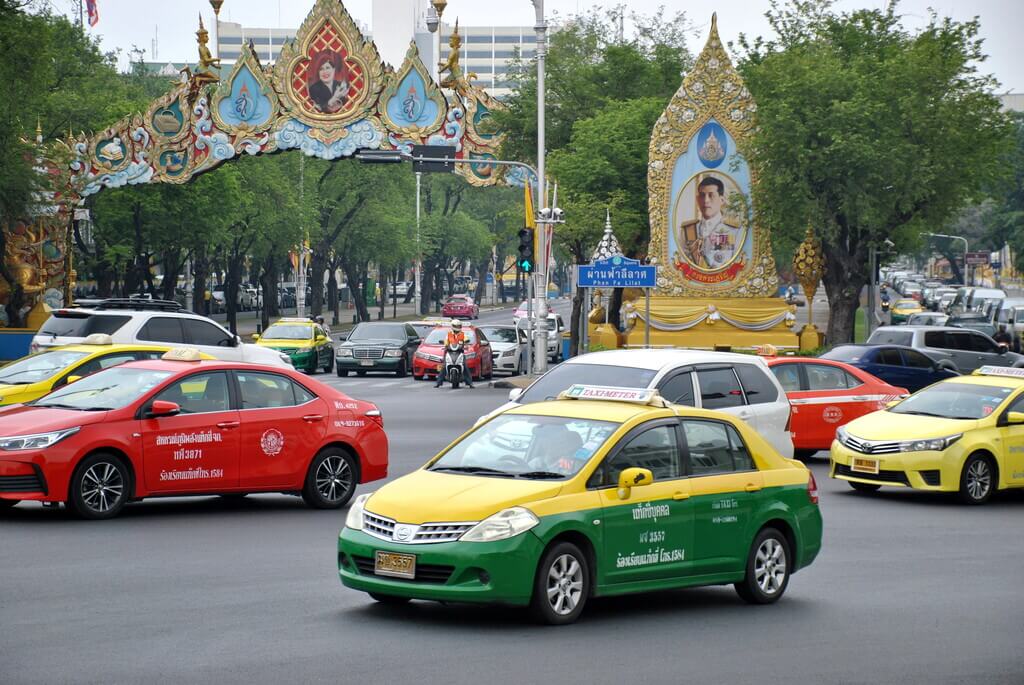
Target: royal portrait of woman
<point>328,82</point>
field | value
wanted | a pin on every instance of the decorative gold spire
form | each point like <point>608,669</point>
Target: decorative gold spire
<point>809,266</point>
<point>39,130</point>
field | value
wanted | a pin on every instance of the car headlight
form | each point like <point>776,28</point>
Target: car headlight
<point>841,434</point>
<point>304,350</point>
<point>285,358</point>
<point>505,524</point>
<point>354,520</point>
<point>36,441</point>
<point>471,355</point>
<point>930,445</point>
<point>344,352</point>
<point>508,353</point>
<point>393,353</point>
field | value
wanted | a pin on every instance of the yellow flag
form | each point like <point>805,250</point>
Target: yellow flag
<point>531,216</point>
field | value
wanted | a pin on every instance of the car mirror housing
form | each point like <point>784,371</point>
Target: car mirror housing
<point>163,408</point>
<point>633,477</point>
<point>1015,417</point>
<point>514,394</point>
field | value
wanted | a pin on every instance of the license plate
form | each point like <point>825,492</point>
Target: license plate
<point>365,362</point>
<point>865,466</point>
<point>395,564</point>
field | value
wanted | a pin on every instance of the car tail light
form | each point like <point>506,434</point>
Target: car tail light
<point>812,487</point>
<point>375,415</point>
<point>789,419</point>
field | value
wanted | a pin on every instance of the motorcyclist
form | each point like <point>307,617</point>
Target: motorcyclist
<point>456,336</point>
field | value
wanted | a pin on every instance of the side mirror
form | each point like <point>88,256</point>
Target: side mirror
<point>321,339</point>
<point>163,408</point>
<point>633,477</point>
<point>236,341</point>
<point>72,379</point>
<point>1015,417</point>
<point>1003,348</point>
<point>341,337</point>
<point>255,337</point>
<point>514,394</point>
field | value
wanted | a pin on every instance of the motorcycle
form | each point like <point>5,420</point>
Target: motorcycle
<point>885,305</point>
<point>454,358</point>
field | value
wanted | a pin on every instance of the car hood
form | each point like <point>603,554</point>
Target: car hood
<point>20,419</point>
<point>278,344</point>
<point>502,346</point>
<point>432,497</point>
<point>885,425</point>
<point>376,342</point>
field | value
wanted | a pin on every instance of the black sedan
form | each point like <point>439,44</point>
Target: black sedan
<point>377,346</point>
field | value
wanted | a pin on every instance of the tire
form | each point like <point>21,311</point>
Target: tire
<point>330,364</point>
<point>762,584</point>
<point>393,600</point>
<point>8,503</point>
<point>331,479</point>
<point>342,373</point>
<point>421,377</point>
<point>978,480</point>
<point>455,384</point>
<point>561,585</point>
<point>99,488</point>
<point>403,369</point>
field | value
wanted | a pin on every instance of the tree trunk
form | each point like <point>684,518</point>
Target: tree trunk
<point>614,305</point>
<point>954,264</point>
<point>382,283</point>
<point>357,287</point>
<point>231,283</point>
<point>482,269</point>
<point>317,266</point>
<point>332,296</point>
<point>200,274</point>
<point>576,334</point>
<point>845,277</point>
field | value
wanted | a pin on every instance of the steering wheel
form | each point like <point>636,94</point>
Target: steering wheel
<point>513,460</point>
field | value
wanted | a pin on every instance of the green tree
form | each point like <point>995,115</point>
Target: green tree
<point>868,132</point>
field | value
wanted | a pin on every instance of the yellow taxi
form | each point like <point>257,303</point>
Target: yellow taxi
<point>902,310</point>
<point>603,491</point>
<point>305,341</point>
<point>31,377</point>
<point>963,435</point>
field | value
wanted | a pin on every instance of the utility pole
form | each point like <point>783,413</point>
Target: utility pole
<point>541,276</point>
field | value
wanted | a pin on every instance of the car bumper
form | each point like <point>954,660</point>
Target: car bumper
<point>425,367</point>
<point>510,364</point>
<point>936,471</point>
<point>302,359</point>
<point>493,572</point>
<point>383,364</point>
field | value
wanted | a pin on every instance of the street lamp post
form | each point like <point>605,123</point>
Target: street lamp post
<point>434,14</point>
<point>966,250</point>
<point>541,288</point>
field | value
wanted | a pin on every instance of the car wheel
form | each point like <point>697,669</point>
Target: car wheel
<point>331,479</point>
<point>389,599</point>
<point>561,586</point>
<point>421,377</point>
<point>99,487</point>
<point>313,368</point>
<point>8,503</point>
<point>403,369</point>
<point>342,373</point>
<point>767,569</point>
<point>863,487</point>
<point>330,365</point>
<point>979,480</point>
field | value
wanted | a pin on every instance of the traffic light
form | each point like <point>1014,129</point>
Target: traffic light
<point>526,261</point>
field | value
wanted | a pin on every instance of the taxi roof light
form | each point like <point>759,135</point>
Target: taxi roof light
<point>1000,371</point>
<point>648,396</point>
<point>182,354</point>
<point>98,339</point>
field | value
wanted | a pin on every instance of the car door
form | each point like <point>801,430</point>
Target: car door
<point>725,488</point>
<point>919,368</point>
<point>677,388</point>
<point>987,351</point>
<point>888,366</point>
<point>648,531</point>
<point>197,449</point>
<point>828,402</point>
<point>162,329</point>
<point>1012,463</point>
<point>283,426</point>
<point>769,409</point>
<point>719,389</point>
<point>212,339</point>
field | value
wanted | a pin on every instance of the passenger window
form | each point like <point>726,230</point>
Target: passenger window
<point>204,333</point>
<point>822,377</point>
<point>265,390</point>
<point>302,395</point>
<point>788,376</point>
<point>719,389</point>
<point>162,329</point>
<point>936,339</point>
<point>890,357</point>
<point>655,449</point>
<point>199,393</point>
<point>851,380</point>
<point>980,343</point>
<point>678,390</point>
<point>960,341</point>
<point>115,359</point>
<point>916,360</point>
<point>741,458</point>
<point>708,448</point>
<point>757,387</point>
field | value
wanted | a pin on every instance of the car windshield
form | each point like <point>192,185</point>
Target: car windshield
<point>500,334</point>
<point>37,367</point>
<point>527,446</point>
<point>109,389</point>
<point>563,376</point>
<point>288,331</point>
<point>438,335</point>
<point>954,401</point>
<point>378,331</point>
<point>884,336</point>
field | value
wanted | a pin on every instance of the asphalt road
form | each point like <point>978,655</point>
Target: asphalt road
<point>908,589</point>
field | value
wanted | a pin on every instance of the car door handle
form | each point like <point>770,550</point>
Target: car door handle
<point>752,487</point>
<point>228,424</point>
<point>681,496</point>
<point>860,398</point>
<point>313,417</point>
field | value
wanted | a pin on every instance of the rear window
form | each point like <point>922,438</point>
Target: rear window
<point>890,337</point>
<point>80,324</point>
<point>563,376</point>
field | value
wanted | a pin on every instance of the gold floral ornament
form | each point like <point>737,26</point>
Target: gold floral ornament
<point>809,266</point>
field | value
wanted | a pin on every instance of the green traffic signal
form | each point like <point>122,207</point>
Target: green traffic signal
<point>526,261</point>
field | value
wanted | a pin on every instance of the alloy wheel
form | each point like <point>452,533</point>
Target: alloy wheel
<point>770,566</point>
<point>565,584</point>
<point>333,478</point>
<point>979,479</point>
<point>102,487</point>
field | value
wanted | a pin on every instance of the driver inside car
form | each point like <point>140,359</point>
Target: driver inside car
<point>554,448</point>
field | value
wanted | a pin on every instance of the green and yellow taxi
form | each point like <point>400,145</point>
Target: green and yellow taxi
<point>31,377</point>
<point>903,309</point>
<point>603,491</point>
<point>963,435</point>
<point>305,341</point>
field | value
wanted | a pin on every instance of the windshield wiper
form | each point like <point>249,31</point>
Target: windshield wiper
<point>58,406</point>
<point>922,413</point>
<point>474,469</point>
<point>97,408</point>
<point>540,475</point>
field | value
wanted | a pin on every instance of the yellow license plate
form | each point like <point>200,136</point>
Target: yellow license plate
<point>395,564</point>
<point>865,466</point>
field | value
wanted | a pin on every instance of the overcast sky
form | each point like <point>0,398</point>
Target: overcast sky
<point>127,23</point>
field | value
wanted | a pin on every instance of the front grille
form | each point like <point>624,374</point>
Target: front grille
<point>435,574</point>
<point>881,476</point>
<point>20,484</point>
<point>870,447</point>
<point>368,352</point>
<point>378,526</point>
<point>384,528</point>
<point>931,476</point>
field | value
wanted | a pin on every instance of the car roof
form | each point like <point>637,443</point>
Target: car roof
<point>658,359</point>
<point>115,347</point>
<point>205,364</point>
<point>990,381</point>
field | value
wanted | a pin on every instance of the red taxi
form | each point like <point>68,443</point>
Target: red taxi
<point>430,354</point>
<point>180,426</point>
<point>826,394</point>
<point>460,306</point>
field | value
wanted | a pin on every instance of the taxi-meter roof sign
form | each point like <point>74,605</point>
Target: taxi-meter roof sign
<point>1000,371</point>
<point>604,392</point>
<point>182,354</point>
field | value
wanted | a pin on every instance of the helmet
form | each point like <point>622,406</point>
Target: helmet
<point>456,325</point>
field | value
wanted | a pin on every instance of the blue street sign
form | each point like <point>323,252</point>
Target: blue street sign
<point>616,272</point>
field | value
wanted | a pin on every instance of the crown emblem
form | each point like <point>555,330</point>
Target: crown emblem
<point>712,150</point>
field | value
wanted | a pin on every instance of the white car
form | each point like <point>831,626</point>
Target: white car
<point>151,321</point>
<point>737,384</point>
<point>508,348</point>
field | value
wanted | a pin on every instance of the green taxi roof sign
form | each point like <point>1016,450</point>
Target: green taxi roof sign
<point>613,394</point>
